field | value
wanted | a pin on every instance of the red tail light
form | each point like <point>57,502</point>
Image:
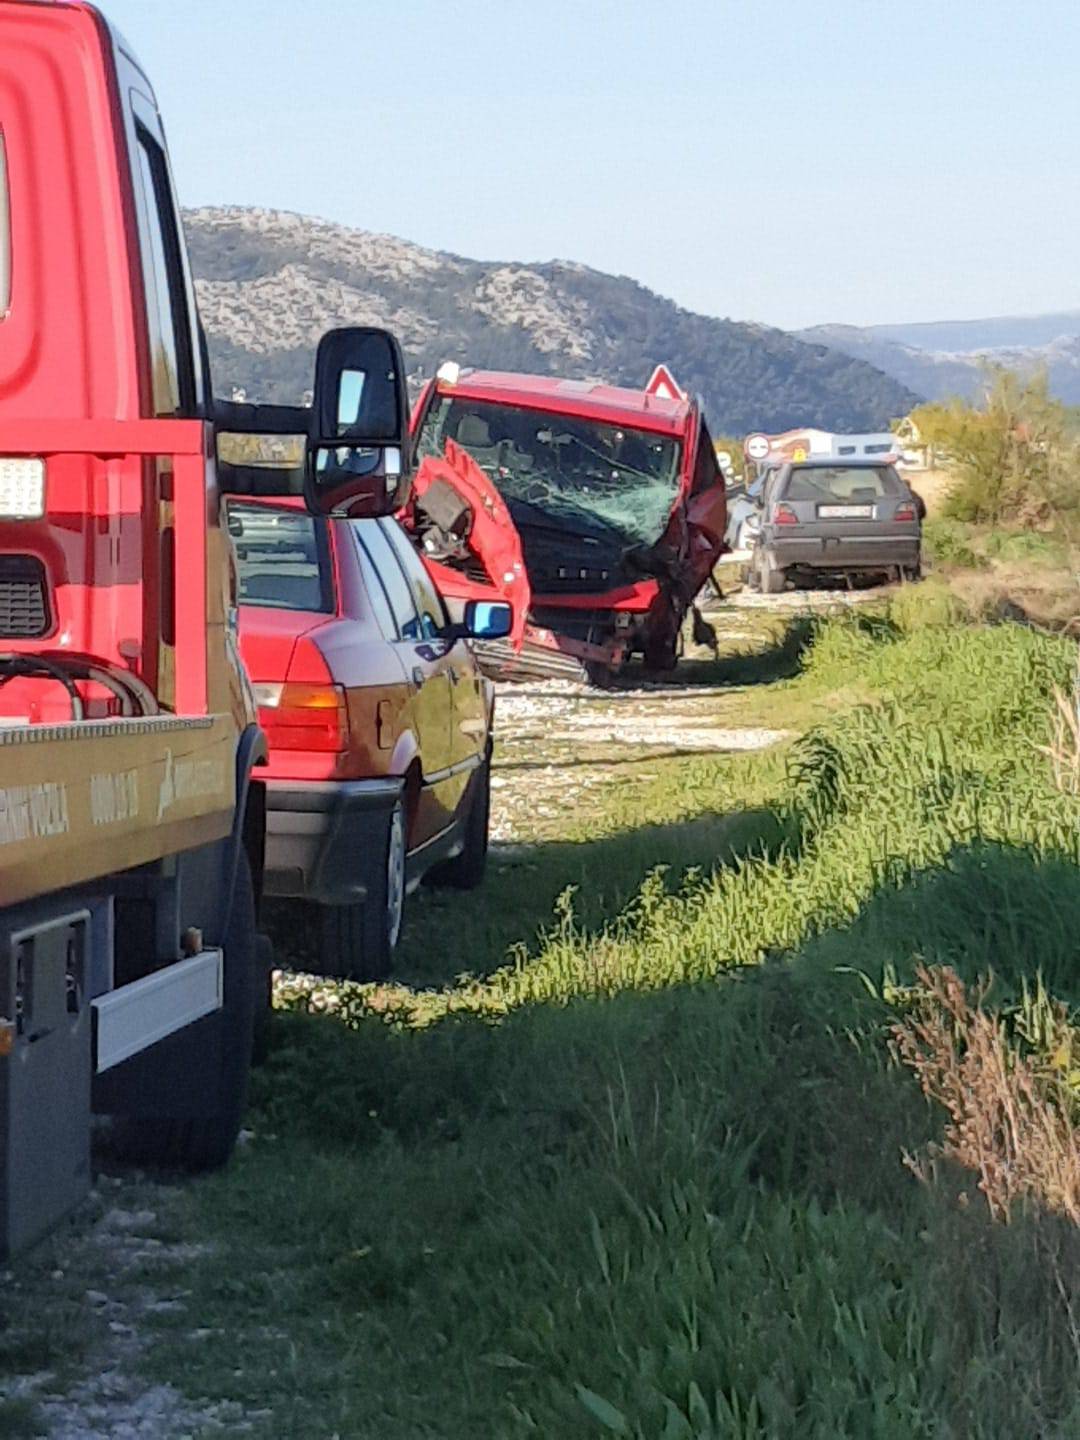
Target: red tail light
<point>904,513</point>
<point>784,515</point>
<point>298,716</point>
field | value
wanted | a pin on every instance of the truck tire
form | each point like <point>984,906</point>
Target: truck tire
<point>466,871</point>
<point>600,676</point>
<point>662,654</point>
<point>264,999</point>
<point>206,1141</point>
<point>358,941</point>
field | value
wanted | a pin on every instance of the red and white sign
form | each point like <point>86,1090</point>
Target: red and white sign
<point>662,384</point>
<point>757,447</point>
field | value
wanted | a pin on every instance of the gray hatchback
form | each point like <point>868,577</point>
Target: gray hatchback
<point>820,517</point>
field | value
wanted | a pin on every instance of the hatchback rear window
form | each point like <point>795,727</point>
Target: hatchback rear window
<point>283,558</point>
<point>842,482</point>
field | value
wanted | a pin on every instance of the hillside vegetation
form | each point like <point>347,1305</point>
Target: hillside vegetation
<point>783,1147</point>
<point>270,283</point>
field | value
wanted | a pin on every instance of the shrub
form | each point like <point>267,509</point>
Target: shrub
<point>945,542</point>
<point>1014,456</point>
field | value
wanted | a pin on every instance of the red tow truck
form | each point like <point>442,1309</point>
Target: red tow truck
<point>131,809</point>
<point>598,512</point>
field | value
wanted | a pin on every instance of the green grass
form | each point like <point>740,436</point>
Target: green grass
<point>645,1178</point>
<point>955,544</point>
<point>642,1174</point>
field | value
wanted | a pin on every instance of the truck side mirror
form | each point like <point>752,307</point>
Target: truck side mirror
<point>358,440</point>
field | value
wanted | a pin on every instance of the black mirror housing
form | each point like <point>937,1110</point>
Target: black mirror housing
<point>359,434</point>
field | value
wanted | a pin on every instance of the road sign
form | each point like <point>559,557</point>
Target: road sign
<point>663,385</point>
<point>725,460</point>
<point>799,455</point>
<point>757,447</point>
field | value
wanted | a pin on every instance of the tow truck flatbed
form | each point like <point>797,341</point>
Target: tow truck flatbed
<point>96,797</point>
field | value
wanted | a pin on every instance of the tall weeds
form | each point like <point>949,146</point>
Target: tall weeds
<point>1009,1119</point>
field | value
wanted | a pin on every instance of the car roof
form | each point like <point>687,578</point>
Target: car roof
<point>585,399</point>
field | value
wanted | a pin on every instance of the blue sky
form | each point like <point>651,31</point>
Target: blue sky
<point>789,161</point>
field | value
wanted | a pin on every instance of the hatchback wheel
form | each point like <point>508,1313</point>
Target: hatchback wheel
<point>359,941</point>
<point>771,577</point>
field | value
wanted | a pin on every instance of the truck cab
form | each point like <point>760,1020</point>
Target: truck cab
<point>598,510</point>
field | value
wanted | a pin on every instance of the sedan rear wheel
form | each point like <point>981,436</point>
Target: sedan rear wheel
<point>359,941</point>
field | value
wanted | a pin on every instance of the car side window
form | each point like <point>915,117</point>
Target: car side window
<point>433,617</point>
<point>374,588</point>
<point>398,592</point>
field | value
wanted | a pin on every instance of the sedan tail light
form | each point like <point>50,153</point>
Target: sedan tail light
<point>784,515</point>
<point>298,716</point>
<point>904,513</point>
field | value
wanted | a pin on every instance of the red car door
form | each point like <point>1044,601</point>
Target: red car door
<point>456,662</point>
<point>424,659</point>
<point>706,512</point>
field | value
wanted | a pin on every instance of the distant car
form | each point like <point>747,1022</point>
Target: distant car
<point>824,517</point>
<point>378,720</point>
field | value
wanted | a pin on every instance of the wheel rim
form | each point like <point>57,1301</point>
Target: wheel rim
<point>395,876</point>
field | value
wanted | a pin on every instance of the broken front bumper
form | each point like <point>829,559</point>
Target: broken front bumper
<point>546,654</point>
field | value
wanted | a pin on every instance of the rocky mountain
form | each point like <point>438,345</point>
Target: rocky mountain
<point>270,283</point>
<point>998,332</point>
<point>939,359</point>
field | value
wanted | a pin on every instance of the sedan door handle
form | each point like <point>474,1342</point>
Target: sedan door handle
<point>418,676</point>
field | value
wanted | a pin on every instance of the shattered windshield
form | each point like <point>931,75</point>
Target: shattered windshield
<point>609,481</point>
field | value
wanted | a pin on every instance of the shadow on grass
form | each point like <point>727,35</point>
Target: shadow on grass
<point>798,1027</point>
<point>779,661</point>
<point>448,933</point>
<point>495,1213</point>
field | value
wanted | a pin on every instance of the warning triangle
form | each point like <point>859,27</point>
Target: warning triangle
<point>663,385</point>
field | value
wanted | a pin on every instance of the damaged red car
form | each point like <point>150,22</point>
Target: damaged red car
<point>597,512</point>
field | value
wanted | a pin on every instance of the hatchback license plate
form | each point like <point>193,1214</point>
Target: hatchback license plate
<point>845,512</point>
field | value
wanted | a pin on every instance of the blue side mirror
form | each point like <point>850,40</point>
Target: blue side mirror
<point>488,619</point>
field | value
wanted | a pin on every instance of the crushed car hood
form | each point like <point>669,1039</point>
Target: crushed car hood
<point>464,530</point>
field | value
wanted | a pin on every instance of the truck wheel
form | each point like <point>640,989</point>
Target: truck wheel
<point>206,1142</point>
<point>358,941</point>
<point>466,871</point>
<point>662,653</point>
<point>600,676</point>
